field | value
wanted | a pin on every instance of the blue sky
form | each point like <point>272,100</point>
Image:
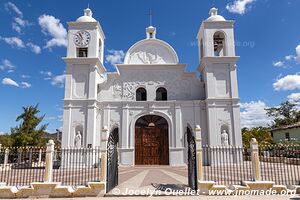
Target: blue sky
<point>32,42</point>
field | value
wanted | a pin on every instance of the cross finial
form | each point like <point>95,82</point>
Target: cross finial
<point>150,17</point>
<point>88,5</point>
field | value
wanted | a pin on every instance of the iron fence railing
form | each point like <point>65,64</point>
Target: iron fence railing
<point>280,163</point>
<point>21,166</point>
<point>77,166</point>
<point>226,165</point>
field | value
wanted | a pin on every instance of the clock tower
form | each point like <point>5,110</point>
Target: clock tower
<point>84,71</point>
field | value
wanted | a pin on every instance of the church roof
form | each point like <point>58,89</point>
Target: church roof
<point>151,51</point>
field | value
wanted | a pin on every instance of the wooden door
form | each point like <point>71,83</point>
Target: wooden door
<point>151,146</point>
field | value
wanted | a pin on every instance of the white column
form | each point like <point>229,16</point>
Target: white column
<point>66,131</point>
<point>40,156</point>
<point>255,159</point>
<point>49,161</point>
<point>236,132</point>
<point>199,153</point>
<point>104,139</point>
<point>178,124</point>
<point>211,124</point>
<point>6,157</point>
<point>125,143</point>
<point>91,124</point>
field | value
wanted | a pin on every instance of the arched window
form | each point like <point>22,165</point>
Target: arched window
<point>219,44</point>
<point>161,94</point>
<point>141,94</point>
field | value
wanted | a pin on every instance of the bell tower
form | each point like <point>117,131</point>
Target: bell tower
<point>84,71</point>
<point>217,65</point>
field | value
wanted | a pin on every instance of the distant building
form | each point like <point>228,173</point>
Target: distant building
<point>286,133</point>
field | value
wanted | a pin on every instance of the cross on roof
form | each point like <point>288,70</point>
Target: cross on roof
<point>150,17</point>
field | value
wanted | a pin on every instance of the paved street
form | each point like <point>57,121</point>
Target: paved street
<point>142,178</point>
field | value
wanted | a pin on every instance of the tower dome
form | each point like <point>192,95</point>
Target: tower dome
<point>214,15</point>
<point>87,17</point>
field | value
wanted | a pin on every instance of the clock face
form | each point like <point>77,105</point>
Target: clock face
<point>82,38</point>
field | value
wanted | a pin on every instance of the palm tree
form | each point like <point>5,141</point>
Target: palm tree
<point>28,133</point>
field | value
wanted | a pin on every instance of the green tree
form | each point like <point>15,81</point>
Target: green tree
<point>6,140</point>
<point>29,133</point>
<point>285,114</point>
<point>261,134</point>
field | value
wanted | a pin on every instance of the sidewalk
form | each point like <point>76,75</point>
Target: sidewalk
<point>191,197</point>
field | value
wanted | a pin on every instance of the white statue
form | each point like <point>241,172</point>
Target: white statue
<point>78,139</point>
<point>224,138</point>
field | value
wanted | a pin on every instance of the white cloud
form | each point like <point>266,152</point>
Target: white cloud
<point>13,41</point>
<point>7,65</point>
<point>289,82</point>
<point>8,81</point>
<point>47,73</point>
<point>239,6</point>
<point>294,97</point>
<point>51,26</point>
<point>19,23</point>
<point>253,114</point>
<point>2,133</point>
<point>34,48</point>
<point>278,64</point>
<point>289,57</point>
<point>25,76</point>
<point>16,27</point>
<point>58,80</point>
<point>9,6</point>
<point>115,56</point>
<point>298,53</point>
<point>25,85</point>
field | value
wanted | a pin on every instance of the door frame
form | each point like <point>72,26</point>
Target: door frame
<point>170,131</point>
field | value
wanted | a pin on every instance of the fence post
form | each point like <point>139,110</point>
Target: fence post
<point>40,156</point>
<point>199,153</point>
<point>49,161</point>
<point>104,139</point>
<point>6,157</point>
<point>255,159</point>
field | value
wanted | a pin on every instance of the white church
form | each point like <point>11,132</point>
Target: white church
<point>151,100</point>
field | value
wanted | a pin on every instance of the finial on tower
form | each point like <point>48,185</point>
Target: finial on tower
<point>150,32</point>
<point>88,12</point>
<point>213,11</point>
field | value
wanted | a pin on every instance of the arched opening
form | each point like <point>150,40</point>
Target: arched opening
<point>161,94</point>
<point>79,137</point>
<point>141,94</point>
<point>225,140</point>
<point>219,44</point>
<point>151,141</point>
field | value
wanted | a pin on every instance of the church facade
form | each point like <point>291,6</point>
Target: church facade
<point>151,100</point>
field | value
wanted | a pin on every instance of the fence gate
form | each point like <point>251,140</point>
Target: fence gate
<point>192,165</point>
<point>112,160</point>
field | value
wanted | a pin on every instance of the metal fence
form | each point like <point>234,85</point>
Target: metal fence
<point>280,163</point>
<point>77,166</point>
<point>21,166</point>
<point>226,165</point>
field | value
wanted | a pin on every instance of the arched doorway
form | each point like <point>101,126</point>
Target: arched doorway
<point>151,141</point>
